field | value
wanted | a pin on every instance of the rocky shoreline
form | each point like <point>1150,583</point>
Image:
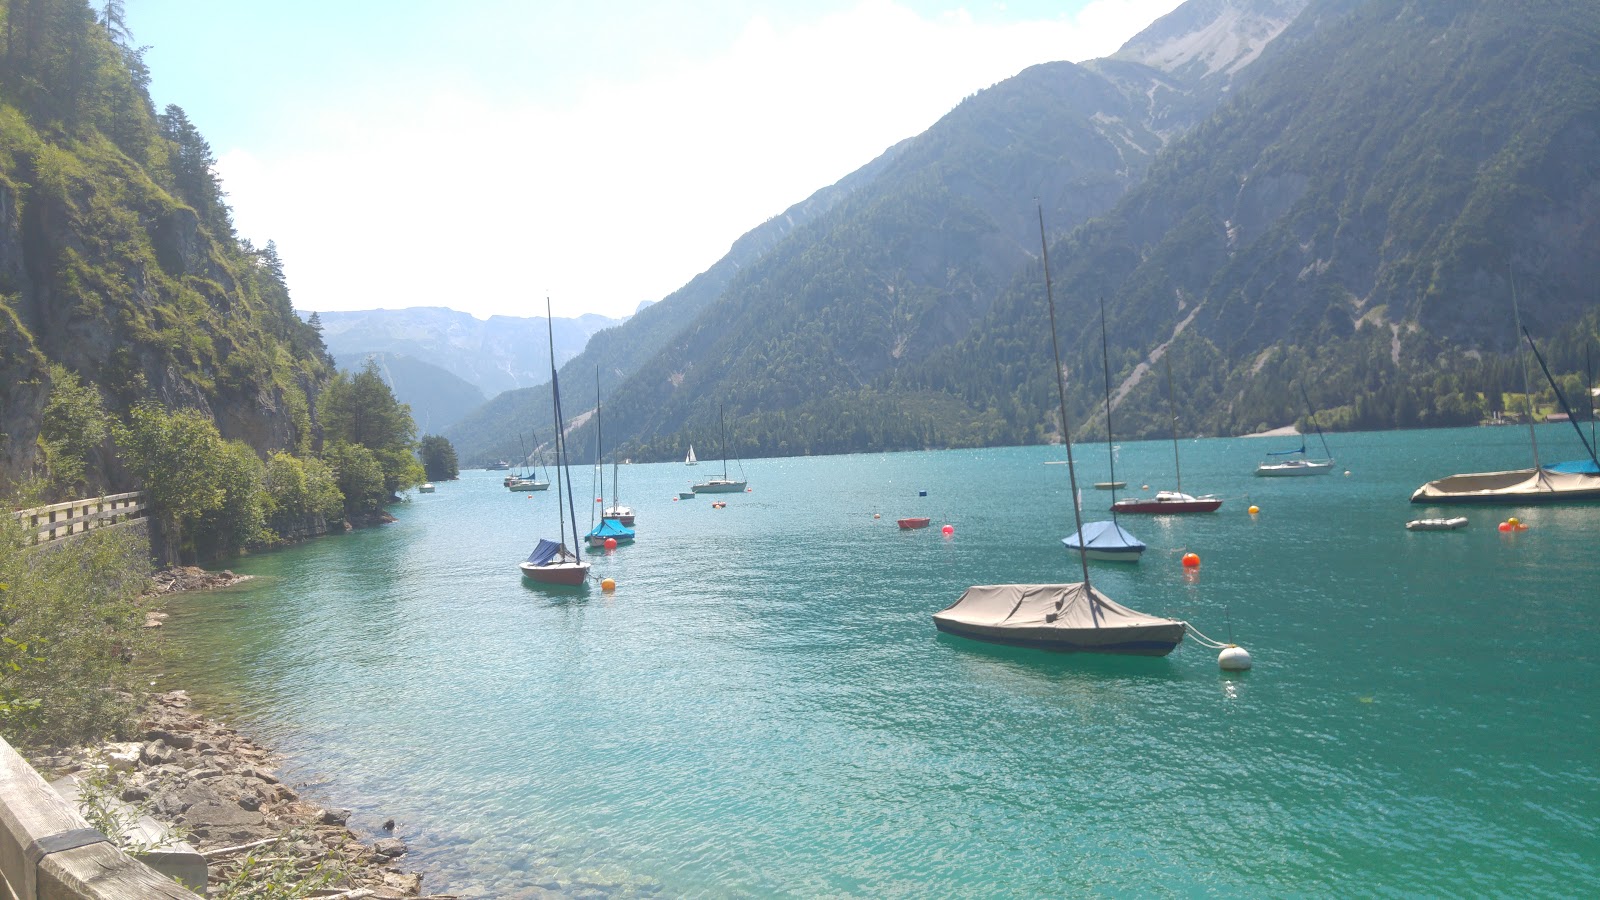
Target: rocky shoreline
<point>218,790</point>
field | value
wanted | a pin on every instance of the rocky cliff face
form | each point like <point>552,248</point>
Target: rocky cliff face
<point>105,273</point>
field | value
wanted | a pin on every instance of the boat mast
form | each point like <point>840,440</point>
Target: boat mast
<point>1527,392</point>
<point>722,443</point>
<point>1312,414</point>
<point>1111,453</point>
<point>1172,403</point>
<point>599,446</point>
<point>1560,397</point>
<point>1066,430</point>
<point>563,453</point>
<point>555,408</point>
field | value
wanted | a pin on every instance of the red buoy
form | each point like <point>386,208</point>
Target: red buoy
<point>948,530</point>
<point>611,543</point>
<point>1191,560</point>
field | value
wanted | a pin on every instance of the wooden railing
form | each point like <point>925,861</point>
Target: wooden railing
<point>48,851</point>
<point>60,520</point>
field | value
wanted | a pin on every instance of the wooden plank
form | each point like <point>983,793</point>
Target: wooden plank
<point>31,815</point>
<point>102,872</point>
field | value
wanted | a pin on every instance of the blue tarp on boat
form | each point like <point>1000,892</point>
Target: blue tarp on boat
<point>611,528</point>
<point>1576,467</point>
<point>1104,536</point>
<point>545,551</point>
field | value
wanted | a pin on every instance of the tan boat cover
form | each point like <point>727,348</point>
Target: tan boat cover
<point>1053,614</point>
<point>1525,485</point>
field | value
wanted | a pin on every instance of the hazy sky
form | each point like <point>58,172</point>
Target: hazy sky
<point>484,153</point>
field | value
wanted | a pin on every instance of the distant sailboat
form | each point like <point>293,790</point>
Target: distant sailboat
<point>526,480</point>
<point>690,460</point>
<point>1106,540</point>
<point>610,529</point>
<point>1070,617</point>
<point>723,485</point>
<point>1175,501</point>
<point>1303,465</point>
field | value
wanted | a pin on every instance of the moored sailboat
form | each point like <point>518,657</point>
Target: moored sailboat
<point>526,480</point>
<point>1106,540</point>
<point>1175,501</point>
<point>1068,617</point>
<point>1575,481</point>
<point>723,485</point>
<point>1301,464</point>
<point>551,562</point>
<point>610,530</point>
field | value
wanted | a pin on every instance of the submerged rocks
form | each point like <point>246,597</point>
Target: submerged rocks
<point>193,578</point>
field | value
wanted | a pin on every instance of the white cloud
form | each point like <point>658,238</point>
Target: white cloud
<point>442,196</point>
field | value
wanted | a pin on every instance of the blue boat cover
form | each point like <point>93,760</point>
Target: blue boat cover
<point>1104,536</point>
<point>545,551</point>
<point>1300,449</point>
<point>611,528</point>
<point>1576,467</point>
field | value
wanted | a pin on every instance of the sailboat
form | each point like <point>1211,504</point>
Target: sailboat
<point>1175,501</point>
<point>609,529</point>
<point>1303,464</point>
<point>722,485</point>
<point>690,460</point>
<point>526,480</point>
<point>1070,617</point>
<point>1566,482</point>
<point>623,514</point>
<point>551,562</point>
<point>1106,540</point>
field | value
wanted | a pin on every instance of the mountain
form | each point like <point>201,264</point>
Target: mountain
<point>1355,218</point>
<point>492,431</point>
<point>498,354</point>
<point>897,261</point>
<point>436,397</point>
<point>119,266</point>
<point>1364,184</point>
<point>817,347</point>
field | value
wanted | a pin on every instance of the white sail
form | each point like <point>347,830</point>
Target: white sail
<point>690,460</point>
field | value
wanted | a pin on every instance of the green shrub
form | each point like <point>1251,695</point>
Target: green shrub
<point>72,628</point>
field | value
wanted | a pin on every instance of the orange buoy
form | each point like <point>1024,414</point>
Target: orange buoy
<point>877,516</point>
<point>1254,510</point>
<point>611,543</point>
<point>1191,560</point>
<point>606,584</point>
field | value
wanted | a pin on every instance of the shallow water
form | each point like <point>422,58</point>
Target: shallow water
<point>763,707</point>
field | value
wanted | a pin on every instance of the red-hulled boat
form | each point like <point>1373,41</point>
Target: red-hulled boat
<point>911,522</point>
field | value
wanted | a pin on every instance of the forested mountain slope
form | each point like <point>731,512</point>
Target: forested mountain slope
<point>492,431</point>
<point>808,348</point>
<point>1355,219</point>
<point>118,262</point>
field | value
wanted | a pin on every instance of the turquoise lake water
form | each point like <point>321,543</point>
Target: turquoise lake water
<point>763,707</point>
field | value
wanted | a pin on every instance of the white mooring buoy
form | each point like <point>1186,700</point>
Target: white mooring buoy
<point>1233,658</point>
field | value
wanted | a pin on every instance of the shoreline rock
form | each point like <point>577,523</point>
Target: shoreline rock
<point>219,788</point>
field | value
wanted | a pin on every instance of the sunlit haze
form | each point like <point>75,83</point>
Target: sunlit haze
<point>483,155</point>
